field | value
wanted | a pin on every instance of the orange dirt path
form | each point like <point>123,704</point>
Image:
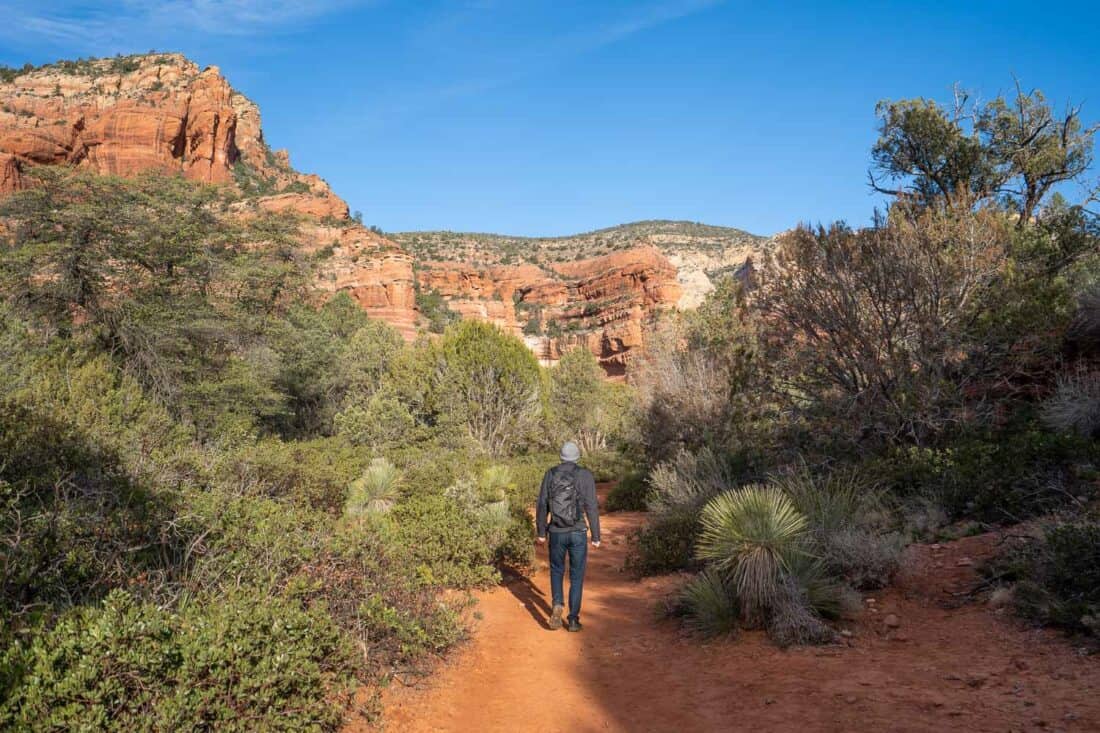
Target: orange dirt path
<point>962,668</point>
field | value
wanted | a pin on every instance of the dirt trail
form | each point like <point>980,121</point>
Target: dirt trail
<point>943,668</point>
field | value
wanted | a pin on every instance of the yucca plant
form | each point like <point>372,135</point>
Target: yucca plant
<point>751,534</point>
<point>495,484</point>
<point>376,491</point>
<point>710,605</point>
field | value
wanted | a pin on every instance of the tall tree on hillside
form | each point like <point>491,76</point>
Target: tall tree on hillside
<point>1016,151</point>
<point>1038,149</point>
<point>489,381</point>
<point>927,149</point>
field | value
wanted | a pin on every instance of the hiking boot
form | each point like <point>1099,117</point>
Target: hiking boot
<point>574,625</point>
<point>555,618</point>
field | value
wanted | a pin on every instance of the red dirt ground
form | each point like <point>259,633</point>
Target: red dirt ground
<point>945,667</point>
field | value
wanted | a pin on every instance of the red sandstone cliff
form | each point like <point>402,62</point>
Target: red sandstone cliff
<point>162,112</point>
<point>605,304</point>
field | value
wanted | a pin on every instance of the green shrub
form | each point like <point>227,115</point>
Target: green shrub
<point>1057,576</point>
<point>528,471</point>
<point>1075,405</point>
<point>489,383</point>
<point>241,663</point>
<point>607,465</point>
<point>710,605</point>
<point>666,542</point>
<point>435,310</point>
<point>751,534</point>
<point>1010,475</point>
<point>850,527</point>
<point>444,542</point>
<point>628,495</point>
<point>312,473</point>
<point>74,524</point>
<point>383,420</point>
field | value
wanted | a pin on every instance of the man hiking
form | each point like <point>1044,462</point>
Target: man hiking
<point>566,497</point>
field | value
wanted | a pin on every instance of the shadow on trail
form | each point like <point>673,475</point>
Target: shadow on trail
<point>531,596</point>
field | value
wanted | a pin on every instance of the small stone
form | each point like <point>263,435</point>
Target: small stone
<point>851,699</point>
<point>769,701</point>
<point>901,636</point>
<point>965,562</point>
<point>846,634</point>
<point>892,621</point>
<point>976,680</point>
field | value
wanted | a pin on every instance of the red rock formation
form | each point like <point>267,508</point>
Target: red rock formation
<point>604,304</point>
<point>373,271</point>
<point>161,112</point>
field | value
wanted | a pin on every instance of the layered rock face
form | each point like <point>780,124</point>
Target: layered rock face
<point>161,112</point>
<point>605,304</point>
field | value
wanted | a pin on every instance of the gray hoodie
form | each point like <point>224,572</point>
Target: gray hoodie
<point>586,495</point>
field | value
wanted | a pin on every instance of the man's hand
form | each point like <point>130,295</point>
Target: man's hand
<point>542,540</point>
<point>595,543</point>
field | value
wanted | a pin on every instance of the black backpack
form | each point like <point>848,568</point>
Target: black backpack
<point>565,505</point>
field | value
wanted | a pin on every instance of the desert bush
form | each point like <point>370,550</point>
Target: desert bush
<point>1056,575</point>
<point>582,406</point>
<point>607,465</point>
<point>379,422</point>
<point>74,522</point>
<point>685,400</point>
<point>1084,330</point>
<point>791,619</point>
<point>709,604</point>
<point>489,383</point>
<point>850,527</point>
<point>761,572</point>
<point>237,664</point>
<point>666,542</point>
<point>1075,405</point>
<point>496,484</point>
<point>528,470</point>
<point>688,480</point>
<point>313,473</point>
<point>628,495</point>
<point>1006,475</point>
<point>444,541</point>
<point>870,331</point>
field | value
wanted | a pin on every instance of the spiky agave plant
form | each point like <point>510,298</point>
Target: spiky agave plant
<point>376,491</point>
<point>709,604</point>
<point>751,535</point>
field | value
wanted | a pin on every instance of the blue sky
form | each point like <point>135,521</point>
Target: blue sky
<point>559,116</point>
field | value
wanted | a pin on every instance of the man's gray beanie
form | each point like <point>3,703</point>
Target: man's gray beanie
<point>570,452</point>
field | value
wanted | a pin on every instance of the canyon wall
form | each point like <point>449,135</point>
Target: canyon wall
<point>162,112</point>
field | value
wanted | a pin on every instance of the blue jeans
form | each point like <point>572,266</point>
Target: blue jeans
<point>574,544</point>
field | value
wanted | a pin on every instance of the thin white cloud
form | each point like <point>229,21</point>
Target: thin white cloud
<point>547,53</point>
<point>139,22</point>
